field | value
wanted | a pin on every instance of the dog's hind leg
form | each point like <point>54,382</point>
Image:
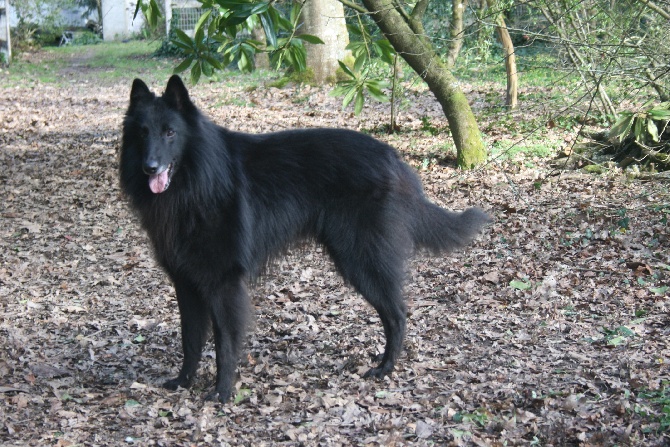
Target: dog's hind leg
<point>195,328</point>
<point>386,297</point>
<point>374,265</point>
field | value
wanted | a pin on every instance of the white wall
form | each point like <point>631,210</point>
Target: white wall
<point>117,19</point>
<point>68,17</point>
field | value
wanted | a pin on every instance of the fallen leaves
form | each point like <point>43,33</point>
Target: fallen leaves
<point>548,330</point>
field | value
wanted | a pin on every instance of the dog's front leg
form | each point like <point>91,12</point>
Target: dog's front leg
<point>195,328</point>
<point>229,311</point>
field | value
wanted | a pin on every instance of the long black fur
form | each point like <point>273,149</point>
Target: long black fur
<point>232,201</point>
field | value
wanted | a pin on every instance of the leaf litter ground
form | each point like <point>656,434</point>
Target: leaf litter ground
<point>551,329</point>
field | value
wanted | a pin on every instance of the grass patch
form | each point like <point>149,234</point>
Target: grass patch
<point>108,61</point>
<point>508,150</point>
<point>658,408</point>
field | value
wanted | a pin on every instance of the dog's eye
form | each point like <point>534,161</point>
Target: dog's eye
<point>170,133</point>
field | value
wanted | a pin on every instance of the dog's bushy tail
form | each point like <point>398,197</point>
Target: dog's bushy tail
<point>439,230</point>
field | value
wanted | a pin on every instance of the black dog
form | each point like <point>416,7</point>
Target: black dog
<point>219,204</point>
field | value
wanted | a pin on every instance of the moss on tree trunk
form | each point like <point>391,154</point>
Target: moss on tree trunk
<point>407,37</point>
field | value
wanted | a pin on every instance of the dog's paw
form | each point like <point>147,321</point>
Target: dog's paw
<point>379,372</point>
<point>175,383</point>
<point>217,396</point>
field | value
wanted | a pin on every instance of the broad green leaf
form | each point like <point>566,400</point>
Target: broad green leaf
<point>296,10</point>
<point>299,56</point>
<point>199,38</point>
<point>360,61</point>
<point>206,67</point>
<point>188,49</point>
<point>137,9</point>
<point>377,94</point>
<point>342,88</point>
<point>230,30</point>
<point>183,66</point>
<point>196,71</point>
<point>354,30</point>
<point>659,114</point>
<point>233,48</point>
<point>346,69</point>
<point>349,97</point>
<point>243,62</point>
<point>151,12</point>
<point>183,39</point>
<point>386,51</point>
<point>284,23</point>
<point>269,28</point>
<point>132,403</point>
<point>213,62</point>
<point>257,45</point>
<point>203,18</point>
<point>358,106</point>
<point>310,39</point>
<point>652,130</point>
<point>638,128</point>
<point>621,128</point>
<point>212,28</point>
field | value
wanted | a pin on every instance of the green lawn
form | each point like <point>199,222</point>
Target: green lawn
<point>103,62</point>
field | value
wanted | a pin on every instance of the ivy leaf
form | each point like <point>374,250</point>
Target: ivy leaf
<point>659,291</point>
<point>520,285</point>
<point>242,395</point>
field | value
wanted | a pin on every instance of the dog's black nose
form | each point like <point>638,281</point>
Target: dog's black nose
<point>150,167</point>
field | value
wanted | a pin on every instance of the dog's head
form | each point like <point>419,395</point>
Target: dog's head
<point>157,130</point>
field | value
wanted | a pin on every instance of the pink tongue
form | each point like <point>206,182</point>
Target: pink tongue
<point>158,182</point>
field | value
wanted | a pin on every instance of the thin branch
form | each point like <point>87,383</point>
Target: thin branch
<point>416,17</point>
<point>657,9</point>
<point>354,6</point>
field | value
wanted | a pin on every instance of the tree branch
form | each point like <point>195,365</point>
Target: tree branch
<point>420,9</point>
<point>354,6</point>
<point>657,9</point>
<point>398,7</point>
<point>416,17</point>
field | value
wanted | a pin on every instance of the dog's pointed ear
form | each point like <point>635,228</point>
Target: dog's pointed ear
<point>139,91</point>
<point>176,94</point>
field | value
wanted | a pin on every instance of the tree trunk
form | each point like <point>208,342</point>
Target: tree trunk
<point>325,19</point>
<point>98,7</point>
<point>455,32</point>
<point>261,59</point>
<point>407,37</point>
<point>511,99</point>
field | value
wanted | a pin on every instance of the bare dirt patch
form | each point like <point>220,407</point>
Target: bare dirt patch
<point>552,329</point>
